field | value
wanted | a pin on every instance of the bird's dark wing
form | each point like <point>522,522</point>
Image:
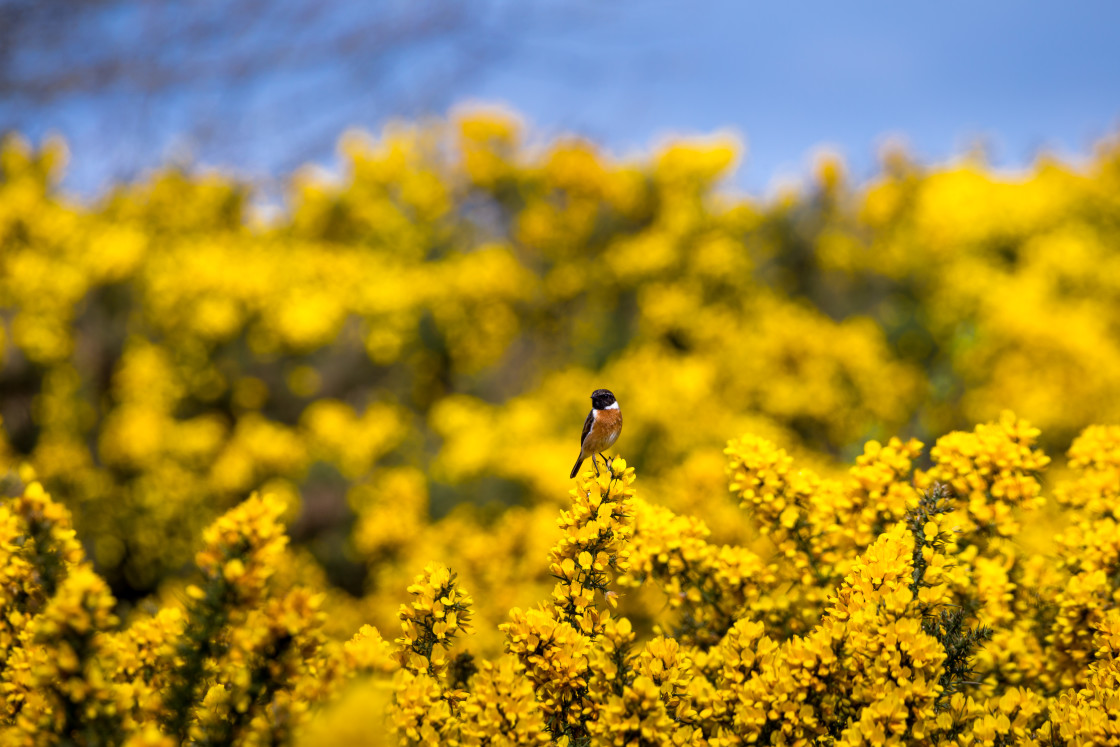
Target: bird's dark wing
<point>586,427</point>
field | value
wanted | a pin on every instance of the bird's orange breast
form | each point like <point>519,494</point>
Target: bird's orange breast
<point>604,431</point>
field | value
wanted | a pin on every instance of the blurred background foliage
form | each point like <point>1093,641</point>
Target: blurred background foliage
<point>405,354</point>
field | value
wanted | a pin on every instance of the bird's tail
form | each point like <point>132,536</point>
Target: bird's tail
<point>575,469</point>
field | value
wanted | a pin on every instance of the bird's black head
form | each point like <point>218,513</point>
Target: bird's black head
<point>601,399</point>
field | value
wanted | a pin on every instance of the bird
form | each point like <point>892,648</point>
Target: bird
<point>600,430</point>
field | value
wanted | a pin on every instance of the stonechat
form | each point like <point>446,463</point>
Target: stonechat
<point>600,430</point>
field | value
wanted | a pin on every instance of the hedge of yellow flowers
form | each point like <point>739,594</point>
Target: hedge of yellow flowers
<point>230,439</point>
<point>890,606</point>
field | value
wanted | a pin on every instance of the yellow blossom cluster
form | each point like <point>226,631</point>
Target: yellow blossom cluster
<point>994,468</point>
<point>818,525</point>
<point>242,660</point>
<point>559,644</point>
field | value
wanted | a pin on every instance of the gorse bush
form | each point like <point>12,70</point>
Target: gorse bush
<point>881,612</point>
<point>396,362</point>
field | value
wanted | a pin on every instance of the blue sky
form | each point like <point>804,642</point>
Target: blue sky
<point>1021,76</point>
<point>787,77</point>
